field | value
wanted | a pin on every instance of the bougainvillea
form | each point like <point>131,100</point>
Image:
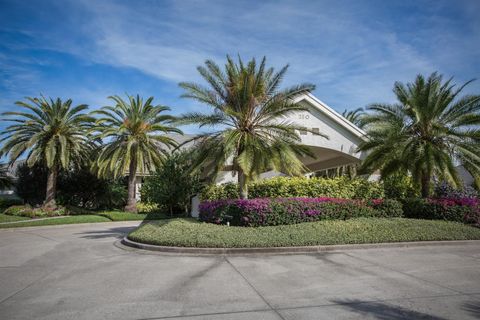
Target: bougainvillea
<point>278,211</point>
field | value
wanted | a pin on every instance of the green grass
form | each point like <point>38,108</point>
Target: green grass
<point>128,216</point>
<point>191,233</point>
<point>102,216</point>
<point>6,218</point>
<point>56,221</point>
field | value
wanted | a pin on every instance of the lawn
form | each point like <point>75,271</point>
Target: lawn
<point>54,221</point>
<point>191,233</point>
<point>102,216</point>
<point>6,218</point>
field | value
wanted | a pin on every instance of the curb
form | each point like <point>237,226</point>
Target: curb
<point>291,250</point>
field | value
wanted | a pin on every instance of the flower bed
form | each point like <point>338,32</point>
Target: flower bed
<point>284,211</point>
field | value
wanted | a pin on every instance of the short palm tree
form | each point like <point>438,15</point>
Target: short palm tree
<point>249,114</point>
<point>50,132</point>
<point>425,133</point>
<point>134,136</point>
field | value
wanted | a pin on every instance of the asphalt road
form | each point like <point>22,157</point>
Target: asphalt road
<point>77,272</point>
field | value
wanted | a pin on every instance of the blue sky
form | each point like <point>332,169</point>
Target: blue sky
<point>353,51</point>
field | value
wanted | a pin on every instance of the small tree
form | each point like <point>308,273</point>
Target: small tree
<point>173,184</point>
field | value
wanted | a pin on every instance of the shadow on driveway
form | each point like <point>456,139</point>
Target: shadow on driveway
<point>114,232</point>
<point>382,311</point>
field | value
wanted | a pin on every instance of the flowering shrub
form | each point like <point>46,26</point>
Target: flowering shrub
<point>281,211</point>
<point>444,190</point>
<point>283,187</point>
<point>452,209</point>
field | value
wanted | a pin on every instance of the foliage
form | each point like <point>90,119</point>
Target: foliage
<point>399,186</point>
<point>424,132</point>
<point>386,208</point>
<point>460,210</point>
<point>5,179</point>
<point>145,207</point>
<point>31,183</point>
<point>354,116</point>
<point>252,135</point>
<point>50,132</point>
<point>134,135</point>
<point>191,233</point>
<point>445,190</point>
<point>29,212</point>
<point>279,211</point>
<point>8,202</point>
<point>340,187</point>
<point>76,187</point>
<point>173,184</point>
<point>82,188</point>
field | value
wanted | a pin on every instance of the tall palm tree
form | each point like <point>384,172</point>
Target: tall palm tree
<point>354,116</point>
<point>426,132</point>
<point>50,132</point>
<point>249,114</point>
<point>134,135</point>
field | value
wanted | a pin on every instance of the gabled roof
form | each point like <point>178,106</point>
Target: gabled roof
<point>332,114</point>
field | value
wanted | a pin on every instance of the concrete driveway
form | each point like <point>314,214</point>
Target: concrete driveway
<point>76,272</point>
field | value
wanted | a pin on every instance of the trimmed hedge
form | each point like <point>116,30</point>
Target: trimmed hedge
<point>284,187</point>
<point>461,210</point>
<point>283,211</point>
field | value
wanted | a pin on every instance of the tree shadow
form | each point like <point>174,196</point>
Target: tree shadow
<point>115,232</point>
<point>382,311</point>
<point>472,308</point>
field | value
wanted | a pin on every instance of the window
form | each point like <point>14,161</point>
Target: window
<point>303,131</point>
<point>316,131</point>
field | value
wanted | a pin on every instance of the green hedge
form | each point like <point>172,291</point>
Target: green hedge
<point>282,187</point>
<point>460,210</point>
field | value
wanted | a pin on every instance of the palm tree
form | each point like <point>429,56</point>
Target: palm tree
<point>425,133</point>
<point>133,141</point>
<point>249,113</point>
<point>50,132</point>
<point>354,116</point>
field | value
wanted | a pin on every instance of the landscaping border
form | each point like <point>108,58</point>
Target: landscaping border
<point>290,250</point>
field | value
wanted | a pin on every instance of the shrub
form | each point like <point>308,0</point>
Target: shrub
<point>387,208</point>
<point>281,211</point>
<point>444,190</point>
<point>20,211</point>
<point>174,183</point>
<point>284,187</point>
<point>400,186</point>
<point>461,210</point>
<point>28,211</point>
<point>82,188</point>
<point>8,202</point>
<point>77,187</point>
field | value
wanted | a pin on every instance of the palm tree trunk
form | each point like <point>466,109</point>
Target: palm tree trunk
<point>50,203</point>
<point>426,177</point>
<point>132,200</point>
<point>242,184</point>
